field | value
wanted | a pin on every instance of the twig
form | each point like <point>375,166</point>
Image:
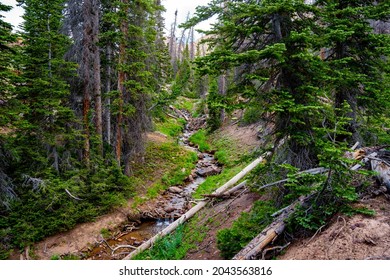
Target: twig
<point>72,196</point>
<point>122,246</point>
<point>318,231</point>
<point>279,248</point>
<point>338,233</point>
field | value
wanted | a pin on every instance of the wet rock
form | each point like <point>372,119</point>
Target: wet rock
<point>200,156</point>
<point>208,171</point>
<point>169,209</point>
<point>190,178</point>
<point>175,190</point>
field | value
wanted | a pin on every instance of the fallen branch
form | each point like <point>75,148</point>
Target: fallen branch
<point>195,209</point>
<point>121,247</point>
<point>72,196</point>
<point>270,233</point>
<point>279,248</point>
<point>228,193</point>
<point>179,112</point>
<point>313,171</point>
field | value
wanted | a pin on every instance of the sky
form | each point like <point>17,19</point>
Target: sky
<point>182,6</point>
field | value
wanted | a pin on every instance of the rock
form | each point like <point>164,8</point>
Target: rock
<point>208,171</point>
<point>175,190</point>
<point>200,156</point>
<point>169,209</point>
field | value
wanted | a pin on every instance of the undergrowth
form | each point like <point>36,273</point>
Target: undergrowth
<point>176,245</point>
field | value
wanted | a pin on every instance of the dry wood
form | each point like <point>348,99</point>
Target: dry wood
<point>228,193</point>
<point>270,233</point>
<point>195,209</point>
<point>179,113</point>
<point>312,171</point>
<point>72,196</point>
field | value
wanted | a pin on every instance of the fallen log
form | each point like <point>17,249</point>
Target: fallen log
<point>195,209</point>
<point>228,193</point>
<point>270,233</point>
<point>179,112</point>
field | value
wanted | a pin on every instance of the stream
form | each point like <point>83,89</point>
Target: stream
<point>157,215</point>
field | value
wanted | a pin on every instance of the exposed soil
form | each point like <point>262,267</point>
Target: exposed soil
<point>223,215</point>
<point>349,238</point>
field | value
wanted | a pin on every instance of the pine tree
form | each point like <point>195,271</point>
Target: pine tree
<point>44,90</point>
<point>270,46</point>
<point>355,55</point>
<point>7,53</point>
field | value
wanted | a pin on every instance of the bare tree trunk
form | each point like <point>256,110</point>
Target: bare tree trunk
<point>172,46</point>
<point>107,112</point>
<point>121,80</point>
<point>87,30</point>
<point>96,75</point>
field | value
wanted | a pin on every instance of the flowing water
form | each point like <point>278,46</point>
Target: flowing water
<point>174,203</point>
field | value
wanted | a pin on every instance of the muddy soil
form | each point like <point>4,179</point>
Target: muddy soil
<point>349,238</point>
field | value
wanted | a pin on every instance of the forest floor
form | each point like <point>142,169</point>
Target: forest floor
<point>84,235</point>
<point>359,237</point>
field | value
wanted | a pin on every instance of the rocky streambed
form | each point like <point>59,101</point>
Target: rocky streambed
<point>153,216</point>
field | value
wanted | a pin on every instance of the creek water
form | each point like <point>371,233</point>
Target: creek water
<point>171,205</point>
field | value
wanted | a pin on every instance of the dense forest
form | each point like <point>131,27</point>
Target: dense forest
<point>83,83</point>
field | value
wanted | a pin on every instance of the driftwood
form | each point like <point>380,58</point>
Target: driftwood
<point>179,112</point>
<point>72,196</point>
<point>313,171</point>
<point>195,209</point>
<point>228,193</point>
<point>270,233</point>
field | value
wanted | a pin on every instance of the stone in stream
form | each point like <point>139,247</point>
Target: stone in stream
<point>175,190</point>
<point>208,171</point>
<point>169,209</point>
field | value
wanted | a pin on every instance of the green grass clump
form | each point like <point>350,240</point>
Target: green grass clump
<point>230,241</point>
<point>176,245</point>
<point>171,127</point>
<point>200,139</point>
<point>214,182</point>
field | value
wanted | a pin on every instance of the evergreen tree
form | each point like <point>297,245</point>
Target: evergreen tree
<point>355,56</point>
<point>44,91</point>
<point>269,44</point>
<point>7,54</point>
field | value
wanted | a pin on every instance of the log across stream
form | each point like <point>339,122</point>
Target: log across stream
<point>154,217</point>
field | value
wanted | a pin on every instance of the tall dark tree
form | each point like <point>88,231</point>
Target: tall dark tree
<point>355,55</point>
<point>44,91</point>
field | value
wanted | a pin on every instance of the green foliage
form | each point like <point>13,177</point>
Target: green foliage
<point>199,138</point>
<point>214,182</point>
<point>168,248</point>
<point>171,127</point>
<point>176,245</point>
<point>231,240</point>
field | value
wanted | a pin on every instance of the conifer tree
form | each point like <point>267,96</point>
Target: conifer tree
<point>269,44</point>
<point>355,56</point>
<point>44,91</point>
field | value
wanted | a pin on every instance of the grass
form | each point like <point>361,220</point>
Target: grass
<point>231,240</point>
<point>200,139</point>
<point>176,245</point>
<point>171,127</point>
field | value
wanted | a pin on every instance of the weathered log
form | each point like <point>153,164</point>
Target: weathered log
<point>228,193</point>
<point>309,171</point>
<point>270,233</point>
<point>195,209</point>
<point>179,113</point>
